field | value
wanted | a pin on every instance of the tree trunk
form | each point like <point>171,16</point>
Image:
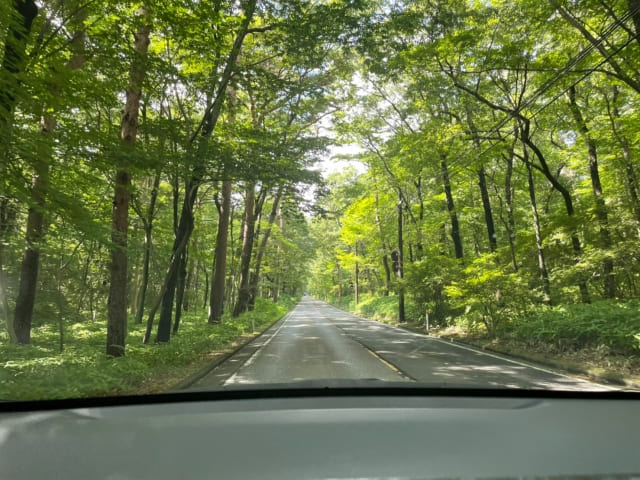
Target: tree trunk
<point>30,267</point>
<point>31,259</point>
<point>202,133</point>
<point>385,257</point>
<point>255,276</point>
<point>542,265</point>
<point>7,223</point>
<point>400,270</point>
<point>455,226</point>
<point>486,205</point>
<point>248,229</point>
<point>511,223</point>
<point>482,184</point>
<point>596,185</point>
<point>22,16</point>
<point>276,288</point>
<point>180,288</point>
<point>148,240</point>
<point>183,234</point>
<point>566,196</point>
<point>356,284</point>
<point>630,174</point>
<point>216,299</point>
<point>117,303</point>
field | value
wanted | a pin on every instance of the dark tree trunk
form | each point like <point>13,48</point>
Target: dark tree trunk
<point>183,234</point>
<point>566,196</point>
<point>630,177</point>
<point>542,265</point>
<point>180,288</point>
<point>31,260</point>
<point>255,276</point>
<point>634,8</point>
<point>455,226</point>
<point>148,239</point>
<point>276,288</point>
<point>486,205</point>
<point>400,270</point>
<point>482,184</point>
<point>356,284</point>
<point>248,229</point>
<point>596,185</point>
<point>385,257</point>
<point>7,223</point>
<point>22,16</point>
<point>117,303</point>
<point>35,222</point>
<point>202,134</point>
<point>216,298</point>
<point>511,223</point>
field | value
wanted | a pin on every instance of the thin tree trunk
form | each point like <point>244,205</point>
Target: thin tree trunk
<point>455,226</point>
<point>255,276</point>
<point>542,265</point>
<point>31,260</point>
<point>482,184</point>
<point>630,174</point>
<point>596,185</point>
<point>248,230</point>
<point>202,133</point>
<point>7,223</point>
<point>183,234</point>
<point>276,288</point>
<point>385,257</point>
<point>486,205</point>
<point>400,270</point>
<point>117,303</point>
<point>216,298</point>
<point>357,276</point>
<point>22,15</point>
<point>180,288</point>
<point>566,196</point>
<point>511,223</point>
<point>30,267</point>
<point>148,240</point>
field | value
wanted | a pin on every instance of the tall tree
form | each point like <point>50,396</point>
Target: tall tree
<point>117,303</point>
<point>25,300</point>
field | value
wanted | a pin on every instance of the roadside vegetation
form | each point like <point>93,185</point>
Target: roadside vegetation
<point>159,168</point>
<point>40,371</point>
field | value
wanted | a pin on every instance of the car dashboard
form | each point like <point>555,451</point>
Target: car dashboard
<point>325,433</point>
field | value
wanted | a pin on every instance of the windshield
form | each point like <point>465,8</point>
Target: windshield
<point>201,195</point>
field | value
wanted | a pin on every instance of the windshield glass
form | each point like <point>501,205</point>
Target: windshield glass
<point>195,195</point>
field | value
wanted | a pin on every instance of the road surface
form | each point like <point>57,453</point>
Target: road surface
<point>316,341</point>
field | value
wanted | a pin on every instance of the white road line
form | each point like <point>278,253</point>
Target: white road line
<point>470,349</point>
<point>375,355</point>
<point>253,356</point>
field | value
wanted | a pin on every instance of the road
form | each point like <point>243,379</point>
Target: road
<point>317,341</point>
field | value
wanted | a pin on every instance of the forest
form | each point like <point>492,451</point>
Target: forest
<point>162,187</point>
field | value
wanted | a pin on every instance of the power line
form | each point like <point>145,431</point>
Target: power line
<point>547,85</point>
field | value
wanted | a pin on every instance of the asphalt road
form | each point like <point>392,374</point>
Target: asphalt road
<point>316,341</point>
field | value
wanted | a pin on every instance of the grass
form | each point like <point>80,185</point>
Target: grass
<point>40,371</point>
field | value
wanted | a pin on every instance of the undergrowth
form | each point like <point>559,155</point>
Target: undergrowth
<point>40,371</point>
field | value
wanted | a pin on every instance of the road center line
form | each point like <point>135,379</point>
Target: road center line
<point>387,363</point>
<point>470,349</point>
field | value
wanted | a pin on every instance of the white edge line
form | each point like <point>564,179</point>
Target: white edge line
<point>474,350</point>
<point>253,356</point>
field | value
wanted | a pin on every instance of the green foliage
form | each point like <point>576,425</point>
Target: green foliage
<point>39,371</point>
<point>614,326</point>
<point>489,295</point>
